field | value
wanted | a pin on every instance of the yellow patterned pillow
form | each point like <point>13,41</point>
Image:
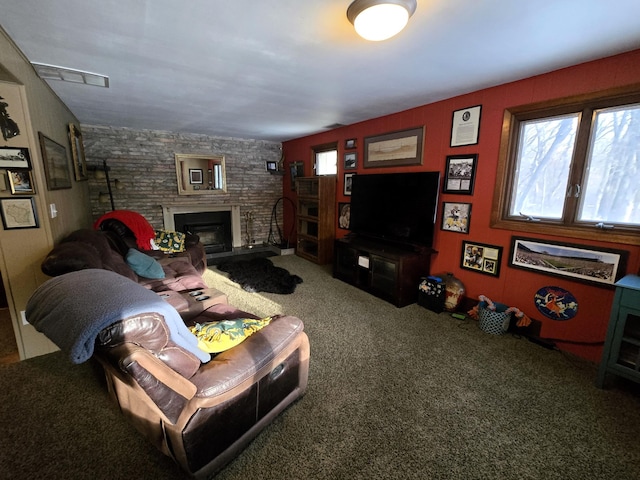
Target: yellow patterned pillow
<point>216,337</point>
<point>171,242</point>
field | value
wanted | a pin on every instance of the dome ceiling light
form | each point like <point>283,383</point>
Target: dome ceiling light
<point>378,20</point>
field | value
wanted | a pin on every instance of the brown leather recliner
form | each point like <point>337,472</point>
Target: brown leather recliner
<point>203,415</point>
<point>200,414</point>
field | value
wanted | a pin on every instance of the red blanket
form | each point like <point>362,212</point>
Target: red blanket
<point>142,230</point>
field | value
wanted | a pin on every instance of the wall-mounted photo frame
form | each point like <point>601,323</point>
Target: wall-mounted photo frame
<point>460,174</point>
<point>271,166</point>
<point>56,164</point>
<point>21,182</point>
<point>18,213</point>
<point>394,149</point>
<point>15,157</point>
<point>347,184</point>
<point>8,127</point>
<point>77,154</point>
<point>456,217</point>
<point>296,169</point>
<point>481,258</point>
<point>350,143</point>
<point>594,265</point>
<point>465,126</point>
<point>196,176</point>
<point>344,215</point>
<point>350,160</point>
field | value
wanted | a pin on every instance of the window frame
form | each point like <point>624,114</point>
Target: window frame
<point>584,105</point>
<point>327,147</point>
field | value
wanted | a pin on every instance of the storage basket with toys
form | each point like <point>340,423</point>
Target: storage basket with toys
<point>495,318</point>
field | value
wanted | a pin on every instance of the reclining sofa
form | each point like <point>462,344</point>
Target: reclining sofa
<point>86,248</point>
<point>200,409</point>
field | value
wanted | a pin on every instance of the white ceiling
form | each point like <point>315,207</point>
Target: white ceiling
<point>277,70</point>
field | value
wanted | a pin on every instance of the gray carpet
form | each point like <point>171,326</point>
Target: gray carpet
<point>8,347</point>
<point>393,394</point>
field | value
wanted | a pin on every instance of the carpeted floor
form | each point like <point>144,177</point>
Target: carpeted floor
<point>8,347</point>
<point>393,394</point>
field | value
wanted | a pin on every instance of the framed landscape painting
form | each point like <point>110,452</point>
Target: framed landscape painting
<point>577,262</point>
<point>394,149</point>
<point>14,157</point>
<point>56,165</point>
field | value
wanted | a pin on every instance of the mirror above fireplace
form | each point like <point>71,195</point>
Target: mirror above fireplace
<point>200,174</point>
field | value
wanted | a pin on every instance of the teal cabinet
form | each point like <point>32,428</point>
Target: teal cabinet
<point>621,353</point>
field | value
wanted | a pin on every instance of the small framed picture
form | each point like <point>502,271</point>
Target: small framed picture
<point>21,182</point>
<point>18,213</point>
<point>296,169</point>
<point>481,258</point>
<point>344,215</point>
<point>465,126</point>
<point>271,166</point>
<point>14,157</point>
<point>460,174</point>
<point>195,176</point>
<point>347,183</point>
<point>350,160</point>
<point>456,217</point>
<point>350,143</point>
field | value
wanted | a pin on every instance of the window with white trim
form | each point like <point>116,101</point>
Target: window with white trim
<point>572,169</point>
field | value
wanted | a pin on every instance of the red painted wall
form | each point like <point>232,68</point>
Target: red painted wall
<point>585,333</point>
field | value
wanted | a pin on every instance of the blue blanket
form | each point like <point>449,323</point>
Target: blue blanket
<point>72,309</point>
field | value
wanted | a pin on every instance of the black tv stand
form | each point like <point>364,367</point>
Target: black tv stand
<point>388,271</point>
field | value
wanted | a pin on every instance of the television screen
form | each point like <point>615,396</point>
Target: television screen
<point>395,207</point>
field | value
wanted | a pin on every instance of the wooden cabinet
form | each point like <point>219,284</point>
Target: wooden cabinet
<point>621,353</point>
<point>388,272</point>
<point>316,218</point>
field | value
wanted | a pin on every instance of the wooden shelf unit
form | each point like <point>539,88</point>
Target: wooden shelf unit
<point>316,218</point>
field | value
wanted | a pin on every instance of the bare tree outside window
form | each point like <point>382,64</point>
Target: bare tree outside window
<point>542,175</point>
<point>571,167</point>
<point>611,191</point>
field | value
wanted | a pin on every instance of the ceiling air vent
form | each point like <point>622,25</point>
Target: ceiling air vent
<point>334,125</point>
<point>53,72</point>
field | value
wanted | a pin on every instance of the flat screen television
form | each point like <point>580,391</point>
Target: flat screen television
<point>399,208</point>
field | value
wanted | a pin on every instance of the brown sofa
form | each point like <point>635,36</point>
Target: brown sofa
<point>106,250</point>
<point>200,413</point>
<point>123,238</point>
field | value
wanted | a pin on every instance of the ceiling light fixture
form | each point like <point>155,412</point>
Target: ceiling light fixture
<point>377,20</point>
<point>53,72</point>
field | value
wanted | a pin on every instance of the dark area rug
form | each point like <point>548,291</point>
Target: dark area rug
<point>260,275</point>
<point>248,255</point>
